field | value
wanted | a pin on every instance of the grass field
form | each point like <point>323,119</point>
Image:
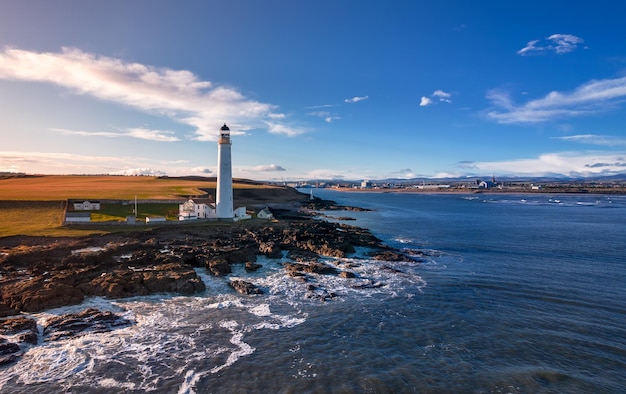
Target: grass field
<point>60,187</point>
<point>119,212</point>
<point>34,205</point>
<point>39,218</point>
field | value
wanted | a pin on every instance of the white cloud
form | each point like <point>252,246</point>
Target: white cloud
<point>177,94</point>
<point>66,163</point>
<point>136,132</point>
<point>200,171</point>
<point>279,128</point>
<point>438,94</point>
<point>356,99</point>
<point>559,43</point>
<point>593,139</point>
<point>443,96</point>
<point>268,168</point>
<point>139,171</point>
<point>327,116</point>
<point>561,163</point>
<point>591,97</point>
<point>321,106</point>
<point>425,101</point>
<point>276,116</point>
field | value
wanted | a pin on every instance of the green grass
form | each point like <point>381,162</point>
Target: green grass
<point>119,212</point>
<point>37,218</point>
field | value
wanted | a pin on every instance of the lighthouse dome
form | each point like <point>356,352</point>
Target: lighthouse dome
<point>224,128</point>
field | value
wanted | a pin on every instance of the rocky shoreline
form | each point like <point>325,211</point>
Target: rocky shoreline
<point>37,274</point>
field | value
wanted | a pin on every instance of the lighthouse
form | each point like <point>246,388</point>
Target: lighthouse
<point>224,199</point>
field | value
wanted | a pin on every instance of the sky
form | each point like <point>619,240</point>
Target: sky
<point>328,89</point>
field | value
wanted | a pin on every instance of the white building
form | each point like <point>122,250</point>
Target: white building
<point>197,208</point>
<point>241,214</point>
<point>155,219</point>
<point>265,213</point>
<point>77,217</point>
<point>87,206</point>
<point>204,208</point>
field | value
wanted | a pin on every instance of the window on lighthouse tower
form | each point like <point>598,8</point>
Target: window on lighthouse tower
<point>225,131</point>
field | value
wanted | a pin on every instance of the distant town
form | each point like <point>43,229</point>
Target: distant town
<point>476,185</point>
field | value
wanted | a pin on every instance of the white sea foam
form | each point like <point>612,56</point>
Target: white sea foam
<point>183,339</point>
<point>110,383</point>
<point>261,310</point>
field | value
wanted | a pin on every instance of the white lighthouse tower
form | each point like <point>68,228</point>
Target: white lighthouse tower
<point>224,199</point>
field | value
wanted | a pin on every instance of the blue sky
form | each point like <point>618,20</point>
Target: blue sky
<point>324,89</point>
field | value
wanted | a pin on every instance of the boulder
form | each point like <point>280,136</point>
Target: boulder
<point>270,249</point>
<point>310,268</point>
<point>244,287</point>
<point>22,329</point>
<point>9,351</point>
<point>6,310</point>
<point>251,267</point>
<point>218,267</point>
<point>88,321</point>
<point>389,255</point>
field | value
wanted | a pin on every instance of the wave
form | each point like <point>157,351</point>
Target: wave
<point>177,341</point>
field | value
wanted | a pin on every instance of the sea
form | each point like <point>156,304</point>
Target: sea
<point>509,293</point>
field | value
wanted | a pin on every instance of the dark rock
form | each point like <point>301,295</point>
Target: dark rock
<point>369,285</point>
<point>270,249</point>
<point>6,310</point>
<point>347,274</point>
<point>302,255</point>
<point>9,352</point>
<point>311,268</point>
<point>390,255</point>
<point>251,267</point>
<point>244,287</point>
<point>219,267</point>
<point>25,329</point>
<point>240,256</point>
<point>16,325</point>
<point>88,321</point>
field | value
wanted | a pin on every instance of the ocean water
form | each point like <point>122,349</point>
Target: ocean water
<point>512,294</point>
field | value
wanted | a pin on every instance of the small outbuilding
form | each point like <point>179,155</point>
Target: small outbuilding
<point>241,214</point>
<point>265,213</point>
<point>77,217</point>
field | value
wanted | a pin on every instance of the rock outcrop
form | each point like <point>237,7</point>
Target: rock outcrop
<point>244,287</point>
<point>23,333</point>
<point>88,321</point>
<point>38,275</point>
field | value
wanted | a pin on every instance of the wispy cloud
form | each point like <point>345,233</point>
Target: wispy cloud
<point>560,163</point>
<point>145,171</point>
<point>268,168</point>
<point>136,132</point>
<point>592,97</point>
<point>327,116</point>
<point>443,96</point>
<point>66,163</point>
<point>279,128</point>
<point>439,95</point>
<point>356,99</point>
<point>593,139</point>
<point>201,171</point>
<point>558,43</point>
<point>177,94</point>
